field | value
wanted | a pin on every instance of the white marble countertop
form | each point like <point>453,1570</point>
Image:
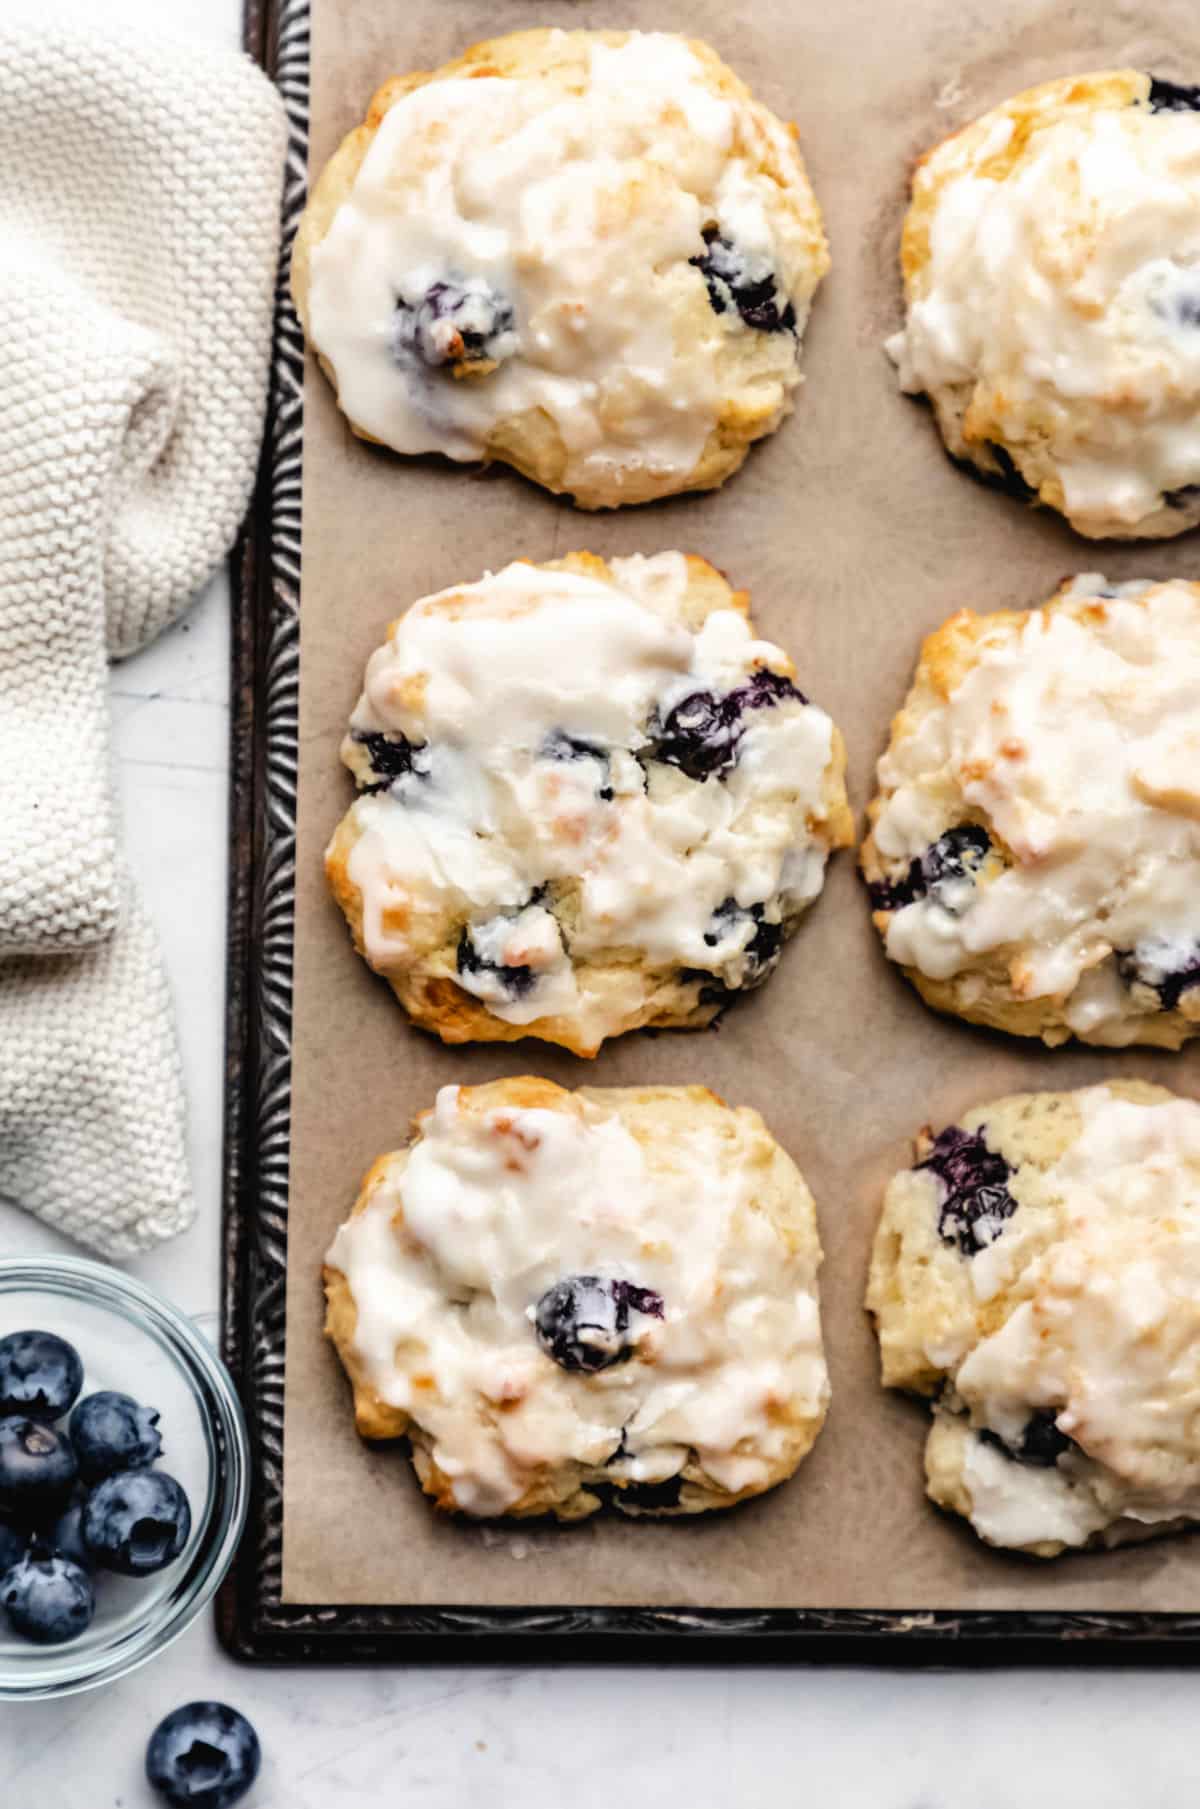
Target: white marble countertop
<point>437,1737</point>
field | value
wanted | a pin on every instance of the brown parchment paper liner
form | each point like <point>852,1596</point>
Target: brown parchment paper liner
<point>855,536</point>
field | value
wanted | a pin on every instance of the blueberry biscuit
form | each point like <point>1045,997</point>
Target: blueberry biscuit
<point>588,254</point>
<point>571,1298</point>
<point>590,800</point>
<point>1034,857</point>
<point>1051,260</point>
<point>1038,1271</point>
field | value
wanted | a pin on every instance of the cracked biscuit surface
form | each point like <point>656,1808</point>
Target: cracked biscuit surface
<point>591,800</point>
<point>590,255</point>
<point>1034,855</point>
<point>1051,262</point>
<point>1037,1271</point>
<point>566,1299</point>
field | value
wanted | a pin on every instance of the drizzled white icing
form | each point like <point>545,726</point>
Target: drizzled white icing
<point>459,1241</point>
<point>1104,1333</point>
<point>489,679</point>
<point>1060,304</point>
<point>581,210</point>
<point>1076,734</point>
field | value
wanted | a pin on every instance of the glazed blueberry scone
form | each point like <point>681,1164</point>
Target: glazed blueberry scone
<point>591,800</point>
<point>566,1299</point>
<point>1038,1272</point>
<point>1034,856</point>
<point>588,254</point>
<point>1051,262</point>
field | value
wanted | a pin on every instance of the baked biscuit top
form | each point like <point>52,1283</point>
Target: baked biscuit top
<point>558,1289</point>
<point>599,233</point>
<point>578,767</point>
<point>1051,260</point>
<point>1043,1260</point>
<point>1039,806</point>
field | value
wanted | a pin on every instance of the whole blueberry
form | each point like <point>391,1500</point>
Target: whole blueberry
<point>37,1470</point>
<point>14,1543</point>
<point>64,1536</point>
<point>48,1598</point>
<point>40,1375</point>
<point>203,1756</point>
<point>110,1432</point>
<point>583,1320</point>
<point>136,1522</point>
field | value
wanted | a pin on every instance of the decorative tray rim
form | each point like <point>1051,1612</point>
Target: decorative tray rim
<point>253,1621</point>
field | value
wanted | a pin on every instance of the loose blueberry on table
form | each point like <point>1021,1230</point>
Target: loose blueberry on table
<point>75,1499</point>
<point>40,1375</point>
<point>583,1320</point>
<point>203,1756</point>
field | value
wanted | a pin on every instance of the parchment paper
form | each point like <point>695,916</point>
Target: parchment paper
<point>855,536</point>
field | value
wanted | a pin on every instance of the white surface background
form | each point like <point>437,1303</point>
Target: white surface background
<point>562,1738</point>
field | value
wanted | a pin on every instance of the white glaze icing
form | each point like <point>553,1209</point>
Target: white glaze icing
<point>458,1242</point>
<point>485,676</point>
<point>582,210</point>
<point>1062,301</point>
<point>1078,736</point>
<point>1103,1332</point>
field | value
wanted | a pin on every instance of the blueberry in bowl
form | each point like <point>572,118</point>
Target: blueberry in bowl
<point>40,1375</point>
<point>204,1755</point>
<point>111,1432</point>
<point>14,1543</point>
<point>48,1599</point>
<point>136,1522</point>
<point>135,1346</point>
<point>38,1469</point>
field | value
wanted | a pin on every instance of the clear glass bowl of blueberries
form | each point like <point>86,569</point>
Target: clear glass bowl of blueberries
<point>124,1474</point>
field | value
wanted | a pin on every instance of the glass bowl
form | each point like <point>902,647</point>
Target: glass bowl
<point>131,1339</point>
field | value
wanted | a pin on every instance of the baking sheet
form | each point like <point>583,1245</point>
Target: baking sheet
<point>855,537</point>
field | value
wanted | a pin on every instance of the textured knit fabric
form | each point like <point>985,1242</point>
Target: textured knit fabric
<point>139,203</point>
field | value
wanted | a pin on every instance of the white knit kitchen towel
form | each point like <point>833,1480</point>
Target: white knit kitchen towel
<point>139,204</point>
